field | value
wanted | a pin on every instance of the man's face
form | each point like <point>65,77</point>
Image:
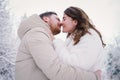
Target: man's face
<point>55,24</point>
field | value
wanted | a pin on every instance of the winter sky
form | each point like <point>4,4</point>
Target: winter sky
<point>103,13</point>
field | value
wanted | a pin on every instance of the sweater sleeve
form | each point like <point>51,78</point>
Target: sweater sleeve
<point>85,54</point>
<point>47,60</point>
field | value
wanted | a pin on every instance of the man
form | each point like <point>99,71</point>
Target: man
<point>36,59</point>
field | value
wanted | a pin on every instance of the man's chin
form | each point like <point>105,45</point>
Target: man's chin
<point>56,32</point>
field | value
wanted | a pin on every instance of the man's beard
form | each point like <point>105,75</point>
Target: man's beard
<point>55,31</point>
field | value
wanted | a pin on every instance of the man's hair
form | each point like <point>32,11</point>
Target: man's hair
<point>47,14</point>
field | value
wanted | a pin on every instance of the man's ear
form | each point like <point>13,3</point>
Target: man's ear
<point>45,19</point>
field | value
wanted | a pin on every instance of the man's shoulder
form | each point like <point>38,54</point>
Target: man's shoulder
<point>38,29</point>
<point>37,32</point>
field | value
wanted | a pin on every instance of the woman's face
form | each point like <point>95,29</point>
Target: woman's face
<point>68,24</point>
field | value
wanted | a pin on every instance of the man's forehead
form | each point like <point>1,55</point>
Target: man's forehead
<point>55,16</point>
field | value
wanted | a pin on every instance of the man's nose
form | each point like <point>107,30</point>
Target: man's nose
<point>60,23</point>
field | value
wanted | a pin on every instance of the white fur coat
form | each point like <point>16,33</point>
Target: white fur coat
<point>88,54</point>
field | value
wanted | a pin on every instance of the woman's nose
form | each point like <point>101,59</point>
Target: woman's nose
<point>61,23</point>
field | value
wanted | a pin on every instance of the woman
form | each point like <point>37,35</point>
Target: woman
<point>84,46</point>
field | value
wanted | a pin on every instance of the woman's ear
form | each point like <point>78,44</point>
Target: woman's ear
<point>75,22</point>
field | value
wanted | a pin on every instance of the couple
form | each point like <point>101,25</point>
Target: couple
<point>42,57</point>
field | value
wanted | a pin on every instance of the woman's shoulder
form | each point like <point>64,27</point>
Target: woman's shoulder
<point>93,36</point>
<point>93,33</point>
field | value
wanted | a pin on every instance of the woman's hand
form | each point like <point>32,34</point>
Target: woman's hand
<point>98,73</point>
<point>51,35</point>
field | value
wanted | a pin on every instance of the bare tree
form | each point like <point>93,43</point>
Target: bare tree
<point>6,66</point>
<point>113,65</point>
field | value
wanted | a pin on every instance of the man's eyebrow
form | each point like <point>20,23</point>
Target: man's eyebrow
<point>58,19</point>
